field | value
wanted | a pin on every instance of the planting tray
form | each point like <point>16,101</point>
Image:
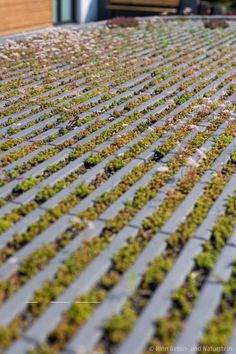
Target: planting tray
<point>118,189</point>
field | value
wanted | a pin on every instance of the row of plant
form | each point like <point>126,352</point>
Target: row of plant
<point>48,191</point>
<point>101,241</point>
<point>100,44</point>
<point>5,144</point>
<point>29,184</point>
<point>129,42</point>
<point>11,143</point>
<point>74,76</point>
<point>67,115</point>
<point>26,183</point>
<point>116,329</point>
<point>9,219</point>
<point>26,166</point>
<point>131,120</point>
<point>45,97</point>
<point>219,330</point>
<point>27,47</point>
<point>54,168</point>
<point>22,50</point>
<point>91,128</point>
<point>16,129</point>
<point>184,298</point>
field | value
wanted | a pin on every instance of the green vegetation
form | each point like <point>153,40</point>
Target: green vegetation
<point>121,124</point>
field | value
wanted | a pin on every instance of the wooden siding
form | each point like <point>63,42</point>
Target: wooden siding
<point>24,15</point>
<point>163,3</point>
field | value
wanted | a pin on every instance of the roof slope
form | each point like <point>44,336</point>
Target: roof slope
<point>117,187</point>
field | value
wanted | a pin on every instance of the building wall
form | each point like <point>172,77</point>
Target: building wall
<point>24,15</point>
<point>87,10</point>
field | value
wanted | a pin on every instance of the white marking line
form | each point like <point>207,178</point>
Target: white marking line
<point>66,302</point>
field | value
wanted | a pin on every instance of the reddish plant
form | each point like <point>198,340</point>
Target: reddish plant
<point>122,21</point>
<point>216,23</point>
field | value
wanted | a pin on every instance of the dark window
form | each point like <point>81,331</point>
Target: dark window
<point>63,11</point>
